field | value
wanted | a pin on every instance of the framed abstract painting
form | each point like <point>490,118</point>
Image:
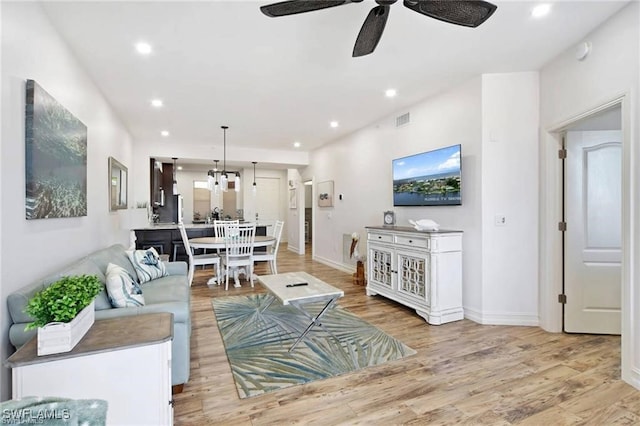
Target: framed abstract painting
<point>325,194</point>
<point>56,158</point>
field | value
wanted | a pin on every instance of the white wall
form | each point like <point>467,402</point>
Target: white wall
<point>509,188</point>
<point>569,89</point>
<point>495,119</point>
<point>31,49</point>
<point>360,166</point>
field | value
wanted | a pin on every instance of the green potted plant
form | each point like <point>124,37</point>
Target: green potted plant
<point>63,312</point>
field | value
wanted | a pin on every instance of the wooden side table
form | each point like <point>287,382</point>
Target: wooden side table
<point>125,361</point>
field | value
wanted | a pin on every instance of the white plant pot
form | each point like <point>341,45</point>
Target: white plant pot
<point>59,337</point>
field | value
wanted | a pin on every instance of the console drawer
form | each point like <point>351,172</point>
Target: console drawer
<point>385,238</point>
<point>412,241</point>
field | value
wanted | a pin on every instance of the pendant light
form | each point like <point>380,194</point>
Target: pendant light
<point>216,185</point>
<point>224,182</point>
<point>175,182</point>
<point>254,188</point>
<point>212,178</point>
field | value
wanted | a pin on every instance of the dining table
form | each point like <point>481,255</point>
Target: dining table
<point>219,243</point>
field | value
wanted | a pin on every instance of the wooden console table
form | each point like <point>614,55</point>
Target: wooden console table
<point>125,361</point>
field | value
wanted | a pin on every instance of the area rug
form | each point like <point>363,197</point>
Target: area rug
<point>257,344</point>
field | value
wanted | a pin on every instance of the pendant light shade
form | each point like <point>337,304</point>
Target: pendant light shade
<point>236,185</point>
<point>216,185</point>
<point>224,182</point>
<point>212,179</point>
<point>174,189</point>
<point>254,187</point>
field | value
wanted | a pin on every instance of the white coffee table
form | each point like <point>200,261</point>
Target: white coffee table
<point>287,289</point>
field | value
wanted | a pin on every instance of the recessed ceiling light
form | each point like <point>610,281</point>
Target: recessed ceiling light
<point>164,133</point>
<point>390,93</point>
<point>541,10</point>
<point>296,144</point>
<point>333,124</point>
<point>157,103</point>
<point>179,167</point>
<point>143,48</point>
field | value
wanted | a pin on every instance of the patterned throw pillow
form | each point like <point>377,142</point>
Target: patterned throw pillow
<point>123,290</point>
<point>147,264</point>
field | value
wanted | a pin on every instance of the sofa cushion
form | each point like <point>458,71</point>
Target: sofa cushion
<point>147,264</point>
<point>85,266</point>
<point>172,288</point>
<point>17,301</point>
<point>123,290</point>
<point>115,254</point>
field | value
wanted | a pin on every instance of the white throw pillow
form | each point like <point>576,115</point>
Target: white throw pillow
<point>122,289</point>
<point>147,264</point>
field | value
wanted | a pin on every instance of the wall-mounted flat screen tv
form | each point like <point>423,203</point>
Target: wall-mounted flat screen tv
<point>428,179</point>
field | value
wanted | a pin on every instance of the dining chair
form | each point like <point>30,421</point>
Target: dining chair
<point>218,226</point>
<point>218,229</point>
<point>272,251</point>
<point>199,259</point>
<point>239,240</point>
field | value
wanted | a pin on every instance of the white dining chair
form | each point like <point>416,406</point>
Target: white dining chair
<point>271,254</point>
<point>218,229</point>
<point>239,240</point>
<point>199,259</point>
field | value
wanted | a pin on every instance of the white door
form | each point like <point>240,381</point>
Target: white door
<point>592,250</point>
<point>268,200</point>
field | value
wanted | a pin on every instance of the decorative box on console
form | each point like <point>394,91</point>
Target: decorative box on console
<point>58,337</point>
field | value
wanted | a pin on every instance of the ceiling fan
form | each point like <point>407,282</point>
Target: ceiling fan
<point>468,13</point>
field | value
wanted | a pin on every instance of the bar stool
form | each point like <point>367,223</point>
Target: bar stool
<point>177,244</point>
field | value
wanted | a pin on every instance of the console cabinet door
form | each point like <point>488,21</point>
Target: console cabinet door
<point>413,275</point>
<point>382,266</point>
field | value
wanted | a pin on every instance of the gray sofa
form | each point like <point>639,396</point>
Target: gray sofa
<point>167,294</point>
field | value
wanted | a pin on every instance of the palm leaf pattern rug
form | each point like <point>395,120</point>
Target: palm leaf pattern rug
<point>257,343</point>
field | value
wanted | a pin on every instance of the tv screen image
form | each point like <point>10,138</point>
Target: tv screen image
<point>428,179</point>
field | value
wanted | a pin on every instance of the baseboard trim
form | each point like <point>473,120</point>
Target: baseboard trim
<point>339,266</point>
<point>296,250</point>
<point>633,378</point>
<point>502,318</point>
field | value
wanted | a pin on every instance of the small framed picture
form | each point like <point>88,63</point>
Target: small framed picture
<point>325,194</point>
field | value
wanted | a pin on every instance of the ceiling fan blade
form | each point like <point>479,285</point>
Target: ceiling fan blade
<point>292,7</point>
<point>371,31</point>
<point>468,13</point>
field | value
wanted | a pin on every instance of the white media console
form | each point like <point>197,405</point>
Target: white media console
<point>419,269</point>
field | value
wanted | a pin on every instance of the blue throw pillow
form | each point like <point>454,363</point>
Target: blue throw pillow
<point>147,264</point>
<point>123,291</point>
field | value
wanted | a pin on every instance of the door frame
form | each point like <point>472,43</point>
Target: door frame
<point>551,247</point>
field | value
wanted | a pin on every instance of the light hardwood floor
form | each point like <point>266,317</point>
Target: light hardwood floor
<point>463,372</point>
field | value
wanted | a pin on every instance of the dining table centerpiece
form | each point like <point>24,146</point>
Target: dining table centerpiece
<point>63,312</point>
